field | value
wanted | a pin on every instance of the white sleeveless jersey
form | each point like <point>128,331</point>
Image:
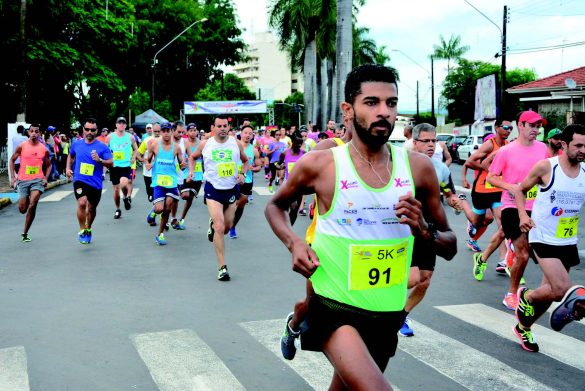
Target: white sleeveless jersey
<point>219,160</point>
<point>556,208</point>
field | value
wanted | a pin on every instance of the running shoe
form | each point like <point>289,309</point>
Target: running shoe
<point>471,230</point>
<point>290,340</point>
<point>250,199</point>
<point>182,225</point>
<point>167,226</point>
<point>222,274</point>
<point>81,237</point>
<point>508,271</point>
<point>479,266</point>
<point>175,224</point>
<point>525,311</point>
<point>117,214</point>
<point>526,338</point>
<point>233,234</point>
<point>271,189</point>
<point>566,311</point>
<point>277,181</point>
<point>25,238</point>
<point>149,198</point>
<point>210,231</point>
<point>510,301</point>
<point>160,239</point>
<point>151,218</point>
<point>127,204</point>
<point>472,245</point>
<point>406,329</point>
<point>501,267</point>
<point>88,235</point>
<point>302,212</point>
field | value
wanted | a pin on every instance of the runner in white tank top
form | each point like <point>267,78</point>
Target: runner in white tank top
<point>553,236</point>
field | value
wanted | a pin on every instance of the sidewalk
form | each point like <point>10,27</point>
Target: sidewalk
<point>9,196</point>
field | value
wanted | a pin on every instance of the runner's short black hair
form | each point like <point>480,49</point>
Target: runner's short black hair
<point>570,130</point>
<point>367,73</point>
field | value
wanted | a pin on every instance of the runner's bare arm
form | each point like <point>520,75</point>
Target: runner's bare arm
<point>47,162</point>
<point>69,164</point>
<point>257,165</point>
<point>475,159</point>
<point>308,177</point>
<point>179,156</point>
<point>13,172</point>
<point>446,154</point>
<point>194,156</point>
<point>426,208</point>
<point>538,175</point>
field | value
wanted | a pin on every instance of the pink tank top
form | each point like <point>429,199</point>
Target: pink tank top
<point>31,161</point>
<point>289,161</point>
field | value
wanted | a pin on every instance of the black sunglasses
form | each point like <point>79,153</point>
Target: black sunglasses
<point>507,127</point>
<point>93,130</point>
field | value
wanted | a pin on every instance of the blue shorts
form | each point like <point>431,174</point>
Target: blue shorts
<point>160,193</point>
<point>224,197</point>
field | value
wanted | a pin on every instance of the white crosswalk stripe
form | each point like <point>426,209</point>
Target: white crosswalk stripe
<point>56,195</point>
<point>134,192</point>
<point>13,369</point>
<point>179,360</point>
<point>440,352</point>
<point>262,190</point>
<point>561,347</point>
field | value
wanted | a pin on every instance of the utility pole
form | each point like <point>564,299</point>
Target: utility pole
<point>417,112</point>
<point>503,70</point>
<point>434,121</point>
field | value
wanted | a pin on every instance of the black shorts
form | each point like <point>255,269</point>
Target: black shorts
<point>82,189</point>
<point>569,255</point>
<point>379,330</point>
<point>246,189</point>
<point>483,201</point>
<point>190,186</point>
<point>224,197</point>
<point>511,223</point>
<point>120,172</point>
<point>423,255</point>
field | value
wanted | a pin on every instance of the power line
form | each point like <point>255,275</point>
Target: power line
<point>551,47</point>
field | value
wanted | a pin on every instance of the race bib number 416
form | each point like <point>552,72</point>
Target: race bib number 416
<point>377,266</point>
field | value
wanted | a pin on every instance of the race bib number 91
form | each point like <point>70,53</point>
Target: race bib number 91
<point>377,266</point>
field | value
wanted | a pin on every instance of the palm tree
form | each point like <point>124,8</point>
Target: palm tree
<point>296,23</point>
<point>344,46</point>
<point>451,50</point>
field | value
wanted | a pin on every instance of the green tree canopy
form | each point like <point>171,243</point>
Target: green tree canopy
<point>231,88</point>
<point>449,50</point>
<point>460,83</point>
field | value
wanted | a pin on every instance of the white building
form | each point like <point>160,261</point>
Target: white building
<point>268,71</point>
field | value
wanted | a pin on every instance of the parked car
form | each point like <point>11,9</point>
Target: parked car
<point>452,145</point>
<point>445,137</point>
<point>470,144</point>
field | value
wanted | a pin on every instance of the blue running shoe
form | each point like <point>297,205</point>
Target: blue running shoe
<point>566,311</point>
<point>289,340</point>
<point>88,235</point>
<point>472,245</point>
<point>233,234</point>
<point>81,236</point>
<point>151,218</point>
<point>471,230</point>
<point>406,330</point>
<point>160,239</point>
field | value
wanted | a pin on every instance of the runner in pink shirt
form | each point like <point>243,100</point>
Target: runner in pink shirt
<point>510,166</point>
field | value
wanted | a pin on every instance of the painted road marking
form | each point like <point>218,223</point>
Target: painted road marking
<point>13,369</point>
<point>563,348</point>
<point>134,192</point>
<point>263,191</point>
<point>440,352</point>
<point>57,195</point>
<point>179,360</point>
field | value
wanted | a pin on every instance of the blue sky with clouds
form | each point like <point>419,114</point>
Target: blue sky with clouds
<point>409,29</point>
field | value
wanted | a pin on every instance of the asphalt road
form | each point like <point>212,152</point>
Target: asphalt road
<point>125,314</point>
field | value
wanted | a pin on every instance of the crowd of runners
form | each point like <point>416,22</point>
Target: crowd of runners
<point>378,220</point>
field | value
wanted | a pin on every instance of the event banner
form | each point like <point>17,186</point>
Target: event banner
<point>226,107</point>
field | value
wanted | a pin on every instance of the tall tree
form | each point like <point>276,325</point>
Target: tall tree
<point>344,46</point>
<point>449,50</point>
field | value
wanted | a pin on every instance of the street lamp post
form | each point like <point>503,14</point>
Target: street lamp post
<point>163,48</point>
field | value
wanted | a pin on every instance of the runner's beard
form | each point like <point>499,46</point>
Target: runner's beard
<point>375,141</point>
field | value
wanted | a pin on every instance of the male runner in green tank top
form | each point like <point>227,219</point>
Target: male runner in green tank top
<point>360,275</point>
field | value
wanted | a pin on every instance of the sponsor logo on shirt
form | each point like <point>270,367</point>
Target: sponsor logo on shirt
<point>361,221</point>
<point>350,211</point>
<point>344,221</point>
<point>346,185</point>
<point>556,211</point>
<point>390,220</point>
<point>376,206</point>
<point>399,182</point>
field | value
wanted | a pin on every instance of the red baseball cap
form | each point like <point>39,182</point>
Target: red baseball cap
<point>531,117</point>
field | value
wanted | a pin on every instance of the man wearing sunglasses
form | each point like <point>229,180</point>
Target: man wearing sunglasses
<point>90,157</point>
<point>31,181</point>
<point>510,166</point>
<point>486,200</point>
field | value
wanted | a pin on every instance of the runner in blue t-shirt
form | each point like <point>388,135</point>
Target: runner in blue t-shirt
<point>90,157</point>
<point>275,149</point>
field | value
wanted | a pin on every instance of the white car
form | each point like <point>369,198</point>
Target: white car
<point>470,145</point>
